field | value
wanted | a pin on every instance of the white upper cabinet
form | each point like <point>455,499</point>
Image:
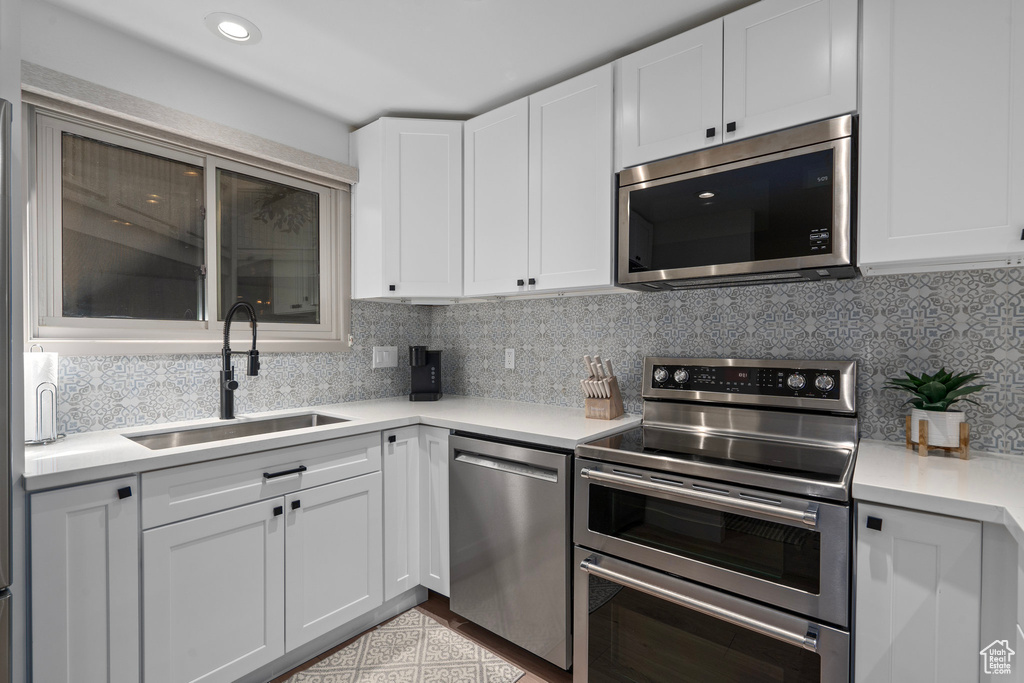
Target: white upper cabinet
<point>497,200</point>
<point>407,209</point>
<point>769,66</point>
<point>788,62</point>
<point>670,97</point>
<point>942,135</point>
<point>571,182</point>
<point>539,182</point>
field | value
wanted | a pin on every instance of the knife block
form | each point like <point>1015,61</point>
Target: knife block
<point>605,408</point>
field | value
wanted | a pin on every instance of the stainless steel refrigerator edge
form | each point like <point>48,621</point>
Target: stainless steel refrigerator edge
<point>5,372</point>
<point>510,543</point>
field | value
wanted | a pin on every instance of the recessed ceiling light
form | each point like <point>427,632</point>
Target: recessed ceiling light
<point>233,30</point>
<point>706,195</point>
<point>232,27</point>
<point>192,173</point>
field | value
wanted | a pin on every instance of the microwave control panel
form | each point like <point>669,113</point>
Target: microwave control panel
<point>778,381</point>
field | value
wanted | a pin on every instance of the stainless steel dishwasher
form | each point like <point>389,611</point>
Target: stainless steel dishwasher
<point>510,542</point>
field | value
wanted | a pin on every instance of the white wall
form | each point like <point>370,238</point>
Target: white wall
<point>72,44</point>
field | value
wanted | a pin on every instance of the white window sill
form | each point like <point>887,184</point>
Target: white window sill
<point>240,341</point>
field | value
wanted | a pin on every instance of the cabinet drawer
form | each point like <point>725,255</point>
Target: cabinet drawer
<point>182,492</point>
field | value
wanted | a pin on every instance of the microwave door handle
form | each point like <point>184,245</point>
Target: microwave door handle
<point>808,516</point>
<point>808,640</point>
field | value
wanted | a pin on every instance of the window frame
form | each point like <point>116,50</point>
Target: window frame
<point>46,324</point>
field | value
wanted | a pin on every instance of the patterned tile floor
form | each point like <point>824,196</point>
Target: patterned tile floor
<point>537,670</point>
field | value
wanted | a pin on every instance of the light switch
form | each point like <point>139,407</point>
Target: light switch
<point>385,357</point>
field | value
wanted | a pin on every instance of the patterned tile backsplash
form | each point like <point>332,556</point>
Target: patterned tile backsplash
<point>970,320</point>
<point>106,392</point>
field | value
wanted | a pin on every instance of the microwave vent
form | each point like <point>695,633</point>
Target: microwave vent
<point>738,280</point>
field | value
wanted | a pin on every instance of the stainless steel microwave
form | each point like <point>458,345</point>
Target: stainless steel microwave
<point>774,208</point>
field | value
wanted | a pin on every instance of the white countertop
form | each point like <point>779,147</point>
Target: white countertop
<point>988,487</point>
<point>91,456</point>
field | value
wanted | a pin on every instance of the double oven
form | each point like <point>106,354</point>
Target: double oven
<point>713,542</point>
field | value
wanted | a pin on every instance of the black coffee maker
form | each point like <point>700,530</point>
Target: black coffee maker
<point>426,374</point>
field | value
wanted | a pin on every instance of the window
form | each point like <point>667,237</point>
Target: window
<point>140,246</point>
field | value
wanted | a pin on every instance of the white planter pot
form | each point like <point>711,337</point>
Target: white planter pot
<point>943,427</point>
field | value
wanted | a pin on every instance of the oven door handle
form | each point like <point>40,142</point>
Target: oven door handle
<point>808,516</point>
<point>808,640</point>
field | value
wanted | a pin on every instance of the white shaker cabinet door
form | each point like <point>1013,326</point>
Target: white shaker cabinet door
<point>434,509</point>
<point>497,200</point>
<point>571,182</point>
<point>942,135</point>
<point>670,97</point>
<point>85,583</point>
<point>401,465</point>
<point>788,62</point>
<point>918,597</point>
<point>333,556</point>
<point>422,208</point>
<point>213,592</point>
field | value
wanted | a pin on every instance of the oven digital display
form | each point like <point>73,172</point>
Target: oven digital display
<point>736,374</point>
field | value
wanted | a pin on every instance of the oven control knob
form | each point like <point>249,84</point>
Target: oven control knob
<point>796,381</point>
<point>681,376</point>
<point>824,383</point>
<point>660,374</point>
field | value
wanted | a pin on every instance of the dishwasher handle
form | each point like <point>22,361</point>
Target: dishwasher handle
<point>507,466</point>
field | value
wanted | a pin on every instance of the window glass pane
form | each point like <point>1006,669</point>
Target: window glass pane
<point>132,233</point>
<point>269,237</point>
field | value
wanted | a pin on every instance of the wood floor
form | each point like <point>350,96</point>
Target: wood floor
<point>537,670</point>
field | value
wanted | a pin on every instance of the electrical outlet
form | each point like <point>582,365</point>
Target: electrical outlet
<point>510,359</point>
<point>385,357</point>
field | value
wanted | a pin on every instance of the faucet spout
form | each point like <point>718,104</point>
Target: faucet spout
<point>228,383</point>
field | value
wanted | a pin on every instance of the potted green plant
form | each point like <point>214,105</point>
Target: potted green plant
<point>931,397</point>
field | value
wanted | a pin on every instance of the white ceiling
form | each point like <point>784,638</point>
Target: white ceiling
<point>357,60</point>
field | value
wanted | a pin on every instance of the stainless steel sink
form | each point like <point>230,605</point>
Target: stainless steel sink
<point>187,436</point>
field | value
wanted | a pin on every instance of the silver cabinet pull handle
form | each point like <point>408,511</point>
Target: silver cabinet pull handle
<point>809,516</point>
<point>808,640</point>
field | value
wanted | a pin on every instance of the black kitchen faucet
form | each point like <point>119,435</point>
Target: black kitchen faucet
<point>228,383</point>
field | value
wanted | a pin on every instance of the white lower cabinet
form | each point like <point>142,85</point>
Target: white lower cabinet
<point>401,466</point>
<point>415,467</point>
<point>332,556</point>
<point>434,509</point>
<point>213,595</point>
<point>85,583</point>
<point>917,597</point>
<point>228,592</point>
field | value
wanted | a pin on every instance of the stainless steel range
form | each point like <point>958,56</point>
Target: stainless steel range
<point>713,542</point>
